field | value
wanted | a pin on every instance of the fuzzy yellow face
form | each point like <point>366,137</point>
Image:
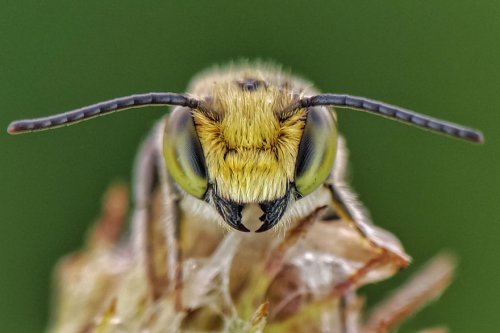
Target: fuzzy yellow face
<point>250,148</point>
<point>247,142</point>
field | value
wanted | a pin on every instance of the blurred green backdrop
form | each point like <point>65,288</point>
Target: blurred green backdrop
<point>436,57</point>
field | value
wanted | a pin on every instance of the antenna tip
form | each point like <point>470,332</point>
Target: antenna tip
<point>13,129</point>
<point>476,137</point>
<point>20,126</point>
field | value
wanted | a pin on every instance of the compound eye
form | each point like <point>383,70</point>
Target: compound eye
<point>317,150</point>
<point>183,153</point>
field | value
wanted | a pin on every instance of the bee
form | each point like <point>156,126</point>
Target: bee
<point>251,147</point>
<point>247,136</point>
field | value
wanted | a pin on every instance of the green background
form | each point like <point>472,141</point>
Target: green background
<point>437,57</point>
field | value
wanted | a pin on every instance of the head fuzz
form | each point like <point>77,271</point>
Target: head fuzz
<point>250,150</point>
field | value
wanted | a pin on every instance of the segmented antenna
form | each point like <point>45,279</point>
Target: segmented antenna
<point>106,107</point>
<point>392,112</point>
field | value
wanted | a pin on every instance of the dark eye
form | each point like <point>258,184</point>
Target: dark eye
<point>317,150</point>
<point>183,153</point>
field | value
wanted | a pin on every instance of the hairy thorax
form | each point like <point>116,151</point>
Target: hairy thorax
<point>250,146</point>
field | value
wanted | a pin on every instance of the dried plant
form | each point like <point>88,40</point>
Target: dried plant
<point>304,281</point>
